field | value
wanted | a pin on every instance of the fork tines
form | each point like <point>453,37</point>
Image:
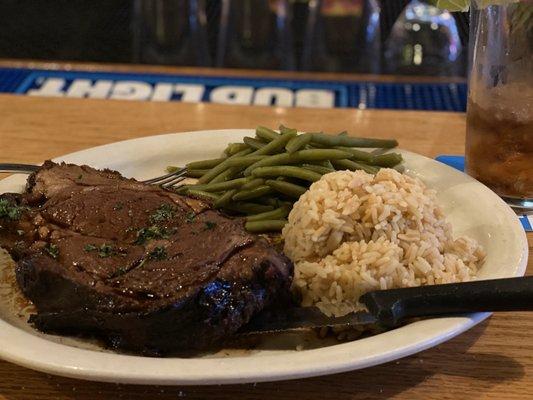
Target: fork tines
<point>169,179</point>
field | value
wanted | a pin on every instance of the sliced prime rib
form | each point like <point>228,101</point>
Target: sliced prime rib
<point>146,269</point>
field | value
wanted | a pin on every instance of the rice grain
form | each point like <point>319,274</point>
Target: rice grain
<point>353,232</point>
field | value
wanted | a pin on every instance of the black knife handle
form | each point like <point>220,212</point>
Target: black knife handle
<point>392,306</point>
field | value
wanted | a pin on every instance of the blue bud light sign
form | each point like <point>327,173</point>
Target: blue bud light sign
<point>279,92</point>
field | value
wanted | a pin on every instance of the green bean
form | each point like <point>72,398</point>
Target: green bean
<point>272,201</point>
<point>283,158</point>
<point>318,169</point>
<point>263,168</point>
<point>262,140</point>
<point>248,208</point>
<point>172,168</point>
<point>348,141</point>
<point>270,225</point>
<point>287,170</point>
<point>283,129</point>
<point>323,163</point>
<point>204,164</point>
<point>202,195</point>
<point>275,145</point>
<point>266,133</point>
<point>278,213</point>
<point>225,198</point>
<point>382,160</point>
<point>252,193</point>
<point>241,153</point>
<point>221,186</point>
<point>387,160</point>
<point>183,189</point>
<point>328,164</point>
<point>196,173</point>
<point>227,175</point>
<point>320,154</point>
<point>234,148</point>
<point>287,188</point>
<point>245,161</point>
<point>253,143</point>
<point>353,166</point>
<point>343,133</point>
<point>297,157</point>
<point>253,184</point>
<point>298,142</point>
<point>377,152</point>
<point>357,154</point>
<point>222,166</point>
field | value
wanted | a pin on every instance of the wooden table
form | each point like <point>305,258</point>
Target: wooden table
<point>494,360</point>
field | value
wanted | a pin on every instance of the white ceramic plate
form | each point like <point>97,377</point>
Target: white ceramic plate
<point>473,210</point>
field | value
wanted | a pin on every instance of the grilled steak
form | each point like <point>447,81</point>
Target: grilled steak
<point>146,269</point>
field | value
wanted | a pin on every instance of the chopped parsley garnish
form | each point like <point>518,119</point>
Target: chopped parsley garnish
<point>11,211</point>
<point>80,176</point>
<point>210,225</point>
<point>104,251</point>
<point>52,250</point>
<point>190,217</point>
<point>118,206</point>
<point>152,232</point>
<point>158,253</point>
<point>90,247</point>
<point>165,212</point>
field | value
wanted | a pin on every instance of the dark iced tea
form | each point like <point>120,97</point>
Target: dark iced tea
<point>499,143</point>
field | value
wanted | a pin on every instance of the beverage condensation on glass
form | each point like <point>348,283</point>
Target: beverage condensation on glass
<point>499,136</point>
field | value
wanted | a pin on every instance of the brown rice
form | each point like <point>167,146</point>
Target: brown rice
<point>353,232</point>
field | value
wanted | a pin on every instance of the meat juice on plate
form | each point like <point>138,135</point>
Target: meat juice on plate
<point>499,140</point>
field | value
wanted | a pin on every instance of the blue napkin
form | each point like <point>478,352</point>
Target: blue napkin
<point>458,162</point>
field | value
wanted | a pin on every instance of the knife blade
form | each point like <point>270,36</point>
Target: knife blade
<point>390,308</point>
<point>298,319</point>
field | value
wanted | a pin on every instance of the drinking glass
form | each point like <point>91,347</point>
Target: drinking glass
<point>424,40</point>
<point>342,36</point>
<point>255,34</point>
<point>170,32</point>
<point>499,134</point>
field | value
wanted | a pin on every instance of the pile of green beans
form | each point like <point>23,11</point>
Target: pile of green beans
<point>263,176</point>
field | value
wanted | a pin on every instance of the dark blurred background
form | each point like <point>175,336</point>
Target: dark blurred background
<point>105,31</point>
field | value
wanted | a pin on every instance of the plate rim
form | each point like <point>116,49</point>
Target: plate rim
<point>21,354</point>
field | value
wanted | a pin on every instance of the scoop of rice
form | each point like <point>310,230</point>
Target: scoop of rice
<point>353,232</point>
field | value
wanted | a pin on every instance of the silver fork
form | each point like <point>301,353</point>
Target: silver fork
<point>167,181</point>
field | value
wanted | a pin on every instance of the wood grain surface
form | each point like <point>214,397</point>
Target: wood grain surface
<point>494,360</point>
